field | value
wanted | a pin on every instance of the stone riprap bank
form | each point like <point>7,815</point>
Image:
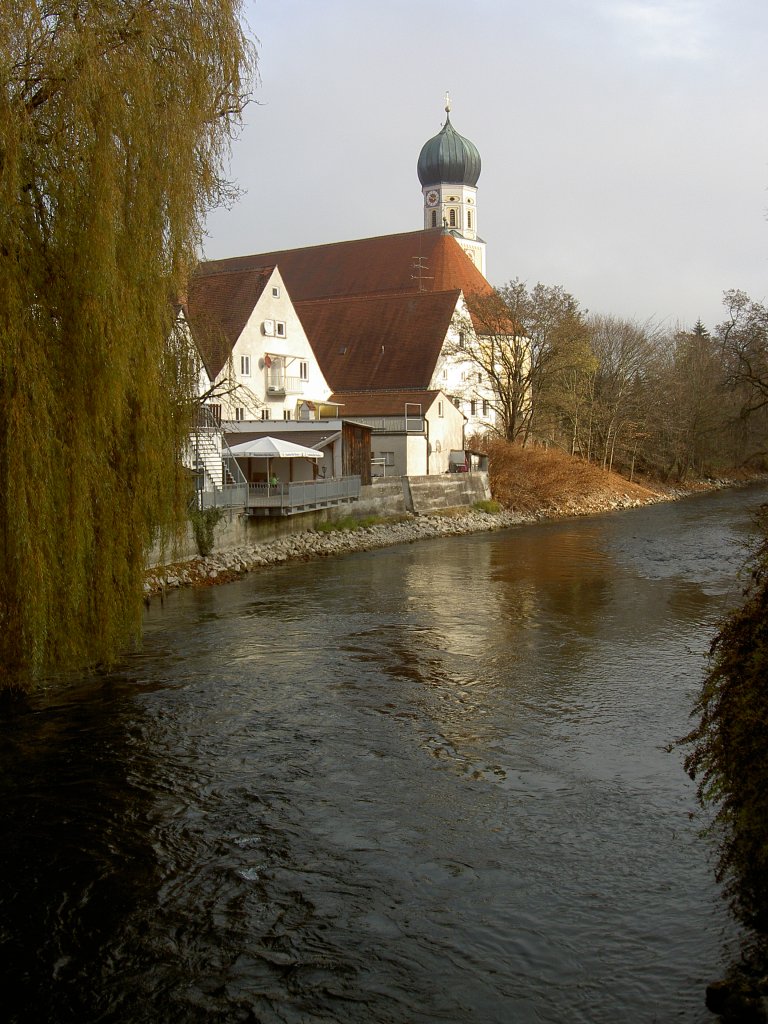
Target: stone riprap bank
<point>224,566</point>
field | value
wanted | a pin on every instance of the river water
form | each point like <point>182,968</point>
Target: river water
<point>423,784</point>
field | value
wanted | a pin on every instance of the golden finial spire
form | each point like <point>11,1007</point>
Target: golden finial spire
<point>447,103</point>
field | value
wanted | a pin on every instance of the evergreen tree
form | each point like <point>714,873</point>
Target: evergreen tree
<point>115,119</point>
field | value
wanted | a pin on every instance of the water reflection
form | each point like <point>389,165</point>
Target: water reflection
<point>419,785</point>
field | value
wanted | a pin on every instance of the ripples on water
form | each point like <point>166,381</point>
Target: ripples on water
<point>426,784</point>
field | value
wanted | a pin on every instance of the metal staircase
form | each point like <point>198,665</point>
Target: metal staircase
<point>221,481</point>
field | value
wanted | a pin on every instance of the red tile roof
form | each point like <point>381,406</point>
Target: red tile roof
<point>379,341</point>
<point>375,310</point>
<point>367,266</point>
<point>382,403</point>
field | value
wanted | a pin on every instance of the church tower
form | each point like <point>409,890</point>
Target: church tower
<point>448,169</point>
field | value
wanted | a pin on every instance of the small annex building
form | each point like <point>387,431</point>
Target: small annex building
<point>412,432</point>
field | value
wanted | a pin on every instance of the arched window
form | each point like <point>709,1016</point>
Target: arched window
<point>434,218</point>
<point>452,218</point>
<point>469,219</point>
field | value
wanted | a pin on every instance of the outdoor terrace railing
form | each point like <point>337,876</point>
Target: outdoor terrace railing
<point>285,498</point>
<point>303,495</point>
<point>227,496</point>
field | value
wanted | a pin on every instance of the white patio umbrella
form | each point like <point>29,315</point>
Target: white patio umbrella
<point>274,448</point>
<point>270,448</point>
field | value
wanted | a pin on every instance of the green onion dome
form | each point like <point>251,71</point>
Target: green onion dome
<point>448,157</point>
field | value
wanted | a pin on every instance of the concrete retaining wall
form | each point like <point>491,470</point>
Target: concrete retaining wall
<point>389,497</point>
<point>453,490</point>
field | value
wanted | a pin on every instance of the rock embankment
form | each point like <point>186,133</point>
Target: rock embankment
<point>224,566</point>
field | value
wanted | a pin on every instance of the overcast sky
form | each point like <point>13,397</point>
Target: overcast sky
<point>624,143</point>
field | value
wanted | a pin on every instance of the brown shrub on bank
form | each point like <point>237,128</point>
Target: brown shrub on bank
<point>532,480</point>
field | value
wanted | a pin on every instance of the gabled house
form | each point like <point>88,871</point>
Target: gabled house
<point>258,370</point>
<point>256,355</point>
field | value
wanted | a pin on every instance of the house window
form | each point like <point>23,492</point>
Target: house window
<point>389,458</point>
<point>472,407</point>
<point>215,413</point>
<point>439,408</point>
<point>479,377</point>
<point>434,218</point>
<point>276,292</point>
<point>486,407</point>
<point>461,339</point>
<point>452,218</point>
<point>445,375</point>
<point>303,370</point>
<point>280,328</point>
<point>286,414</point>
<point>239,413</point>
<point>245,366</point>
<point>265,414</point>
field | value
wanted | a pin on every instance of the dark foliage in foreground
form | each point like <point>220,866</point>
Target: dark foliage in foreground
<point>729,756</point>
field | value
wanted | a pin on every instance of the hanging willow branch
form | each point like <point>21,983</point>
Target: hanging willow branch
<point>727,749</point>
<point>115,122</point>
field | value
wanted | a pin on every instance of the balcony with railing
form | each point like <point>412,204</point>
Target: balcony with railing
<point>279,383</point>
<point>393,424</point>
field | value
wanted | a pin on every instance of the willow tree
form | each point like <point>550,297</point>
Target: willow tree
<point>115,122</point>
<point>728,758</point>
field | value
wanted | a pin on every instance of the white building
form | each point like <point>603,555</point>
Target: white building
<point>366,317</point>
<point>257,358</point>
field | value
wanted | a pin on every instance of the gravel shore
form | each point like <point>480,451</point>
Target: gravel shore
<point>225,566</point>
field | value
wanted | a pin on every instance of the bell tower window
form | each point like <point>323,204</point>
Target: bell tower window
<point>434,218</point>
<point>469,219</point>
<point>452,218</point>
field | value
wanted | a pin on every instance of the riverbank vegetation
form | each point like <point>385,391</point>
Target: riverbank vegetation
<point>670,404</point>
<point>728,756</point>
<point>547,481</point>
<point>115,121</point>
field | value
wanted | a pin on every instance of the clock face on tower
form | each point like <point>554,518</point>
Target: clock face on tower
<point>432,198</point>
